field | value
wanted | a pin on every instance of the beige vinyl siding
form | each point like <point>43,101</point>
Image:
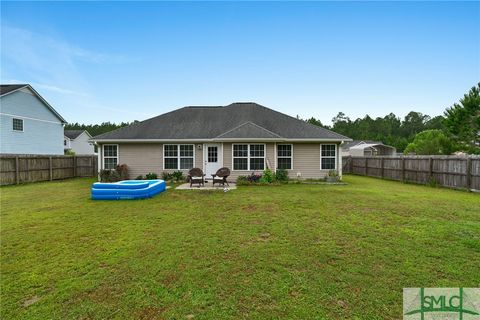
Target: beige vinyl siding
<point>306,161</point>
<point>227,158</point>
<point>142,158</point>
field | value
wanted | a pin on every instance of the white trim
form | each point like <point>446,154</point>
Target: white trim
<point>103,155</point>
<point>248,156</point>
<point>204,165</point>
<point>23,125</point>
<point>219,155</point>
<point>340,164</point>
<point>330,157</point>
<point>99,160</point>
<point>178,154</point>
<point>291,155</point>
<point>275,158</point>
<point>177,141</point>
<point>29,118</point>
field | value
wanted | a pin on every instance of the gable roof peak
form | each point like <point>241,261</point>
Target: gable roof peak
<point>247,128</point>
<point>11,88</point>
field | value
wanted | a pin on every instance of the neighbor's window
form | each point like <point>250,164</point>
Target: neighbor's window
<point>110,156</point>
<point>284,156</point>
<point>178,156</point>
<point>17,124</point>
<point>248,157</point>
<point>328,156</point>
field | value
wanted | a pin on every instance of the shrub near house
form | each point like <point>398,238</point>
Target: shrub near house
<point>268,177</point>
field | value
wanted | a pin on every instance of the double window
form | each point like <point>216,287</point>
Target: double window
<point>110,156</point>
<point>17,124</point>
<point>328,155</point>
<point>178,156</point>
<point>284,156</point>
<point>248,157</point>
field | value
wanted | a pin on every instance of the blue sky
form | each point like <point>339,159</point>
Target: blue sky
<point>106,61</point>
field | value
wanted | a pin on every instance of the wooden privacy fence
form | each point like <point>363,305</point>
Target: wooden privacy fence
<point>15,169</point>
<point>446,171</point>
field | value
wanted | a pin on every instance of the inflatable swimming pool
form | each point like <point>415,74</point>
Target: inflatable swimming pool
<point>127,189</point>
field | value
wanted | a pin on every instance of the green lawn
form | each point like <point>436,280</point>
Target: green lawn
<point>292,251</point>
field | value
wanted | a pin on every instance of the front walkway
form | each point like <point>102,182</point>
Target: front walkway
<point>208,186</point>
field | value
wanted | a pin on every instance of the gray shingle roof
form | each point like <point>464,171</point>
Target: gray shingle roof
<point>72,134</point>
<point>235,121</point>
<point>248,130</point>
<point>6,88</point>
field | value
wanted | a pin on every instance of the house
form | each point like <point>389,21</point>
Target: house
<point>362,148</point>
<point>245,137</point>
<point>78,142</point>
<point>29,124</point>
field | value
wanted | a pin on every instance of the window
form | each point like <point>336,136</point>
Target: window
<point>328,156</point>
<point>178,156</point>
<point>110,156</point>
<point>284,156</point>
<point>240,157</point>
<point>64,142</point>
<point>17,124</point>
<point>212,154</point>
<point>248,156</point>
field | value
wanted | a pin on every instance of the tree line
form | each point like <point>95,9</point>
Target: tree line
<point>458,129</point>
<point>96,129</point>
<point>389,129</point>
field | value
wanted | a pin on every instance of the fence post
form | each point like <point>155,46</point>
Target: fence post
<point>74,166</point>
<point>430,168</point>
<point>469,173</point>
<point>403,169</point>
<point>17,171</point>
<point>382,166</point>
<point>366,166</point>
<point>93,166</point>
<point>50,168</point>
<point>27,170</point>
<point>350,163</point>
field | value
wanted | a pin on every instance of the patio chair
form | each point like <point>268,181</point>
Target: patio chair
<point>221,176</point>
<point>196,175</point>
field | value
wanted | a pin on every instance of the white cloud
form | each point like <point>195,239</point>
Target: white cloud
<point>56,68</point>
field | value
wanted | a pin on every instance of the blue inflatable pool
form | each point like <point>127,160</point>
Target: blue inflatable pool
<point>127,189</point>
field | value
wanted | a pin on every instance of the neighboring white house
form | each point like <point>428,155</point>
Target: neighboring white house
<point>77,141</point>
<point>362,148</point>
<point>29,124</point>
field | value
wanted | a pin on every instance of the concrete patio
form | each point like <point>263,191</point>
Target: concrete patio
<point>208,186</point>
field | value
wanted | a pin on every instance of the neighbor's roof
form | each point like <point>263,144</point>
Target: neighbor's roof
<point>6,88</point>
<point>245,120</point>
<point>370,145</point>
<point>73,134</point>
<point>353,143</point>
<point>10,88</point>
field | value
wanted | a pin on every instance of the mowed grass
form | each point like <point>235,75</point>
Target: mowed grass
<point>290,252</point>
